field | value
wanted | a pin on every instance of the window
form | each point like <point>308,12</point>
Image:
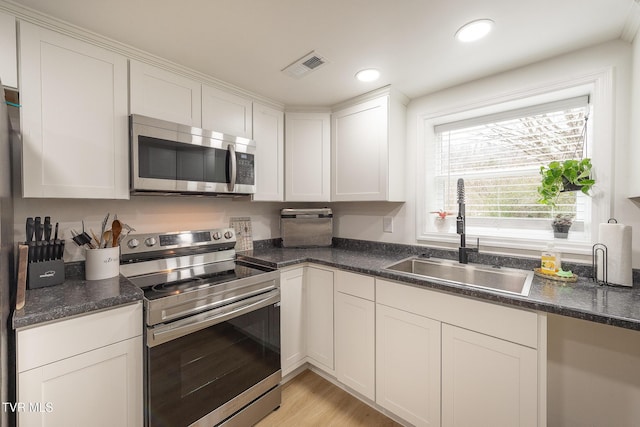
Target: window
<point>499,157</point>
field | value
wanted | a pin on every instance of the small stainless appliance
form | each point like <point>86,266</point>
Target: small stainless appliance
<point>169,158</point>
<point>306,227</point>
<point>212,354</point>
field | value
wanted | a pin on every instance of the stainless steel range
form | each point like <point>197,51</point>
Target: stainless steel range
<point>212,354</point>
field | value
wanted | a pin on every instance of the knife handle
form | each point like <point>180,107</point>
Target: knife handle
<point>39,228</point>
<point>47,228</point>
<point>32,252</point>
<point>30,228</point>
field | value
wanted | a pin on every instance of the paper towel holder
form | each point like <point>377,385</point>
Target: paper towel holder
<point>601,249</point>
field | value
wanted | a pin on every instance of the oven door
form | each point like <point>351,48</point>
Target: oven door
<point>202,369</point>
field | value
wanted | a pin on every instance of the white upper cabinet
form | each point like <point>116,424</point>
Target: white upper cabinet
<point>73,117</point>
<point>226,112</point>
<point>367,144</point>
<point>308,167</point>
<point>8,56</point>
<point>164,95</point>
<point>268,132</point>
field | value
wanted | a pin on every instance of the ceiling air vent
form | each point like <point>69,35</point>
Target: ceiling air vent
<point>303,66</point>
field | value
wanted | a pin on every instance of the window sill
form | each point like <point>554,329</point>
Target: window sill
<point>528,245</point>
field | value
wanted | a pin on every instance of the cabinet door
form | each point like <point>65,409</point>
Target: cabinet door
<point>226,112</point>
<point>73,117</point>
<point>8,55</point>
<point>268,132</point>
<point>102,387</point>
<point>355,343</point>
<point>292,320</point>
<point>161,94</point>
<point>308,168</point>
<point>487,381</point>
<point>360,159</point>
<point>319,307</point>
<point>408,365</point>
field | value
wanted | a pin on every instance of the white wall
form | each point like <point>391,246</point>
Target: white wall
<point>147,214</point>
<point>355,220</point>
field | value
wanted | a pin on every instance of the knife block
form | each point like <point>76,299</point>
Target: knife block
<point>45,273</point>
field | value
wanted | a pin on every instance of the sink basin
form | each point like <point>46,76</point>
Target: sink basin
<point>502,279</point>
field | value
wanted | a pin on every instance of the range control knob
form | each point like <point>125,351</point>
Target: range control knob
<point>217,235</point>
<point>228,235</point>
<point>150,241</point>
<point>133,243</point>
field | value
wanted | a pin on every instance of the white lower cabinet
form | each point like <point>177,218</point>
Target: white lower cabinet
<point>306,318</point>
<point>82,371</point>
<point>355,332</point>
<point>453,361</point>
<point>292,320</point>
<point>408,365</point>
<point>319,315</point>
<point>487,381</point>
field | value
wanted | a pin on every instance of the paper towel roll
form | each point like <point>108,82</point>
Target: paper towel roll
<point>617,239</point>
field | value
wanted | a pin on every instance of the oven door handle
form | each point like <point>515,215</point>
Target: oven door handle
<point>164,333</point>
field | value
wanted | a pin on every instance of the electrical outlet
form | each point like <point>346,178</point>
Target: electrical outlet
<point>387,224</point>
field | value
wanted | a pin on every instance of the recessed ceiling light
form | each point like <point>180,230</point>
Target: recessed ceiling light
<point>474,30</point>
<point>368,75</point>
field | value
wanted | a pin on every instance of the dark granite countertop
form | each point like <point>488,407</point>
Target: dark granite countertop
<point>74,297</point>
<point>584,299</point>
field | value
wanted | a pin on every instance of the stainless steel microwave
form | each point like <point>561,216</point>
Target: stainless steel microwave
<point>170,158</point>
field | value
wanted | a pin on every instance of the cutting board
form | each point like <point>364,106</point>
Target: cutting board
<point>23,260</point>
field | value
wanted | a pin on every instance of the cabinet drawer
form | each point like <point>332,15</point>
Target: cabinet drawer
<point>354,284</point>
<point>48,343</point>
<point>511,324</point>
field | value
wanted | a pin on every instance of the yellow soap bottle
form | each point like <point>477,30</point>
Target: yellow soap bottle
<point>550,262</point>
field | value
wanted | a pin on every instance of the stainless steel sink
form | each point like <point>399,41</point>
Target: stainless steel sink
<point>502,279</point>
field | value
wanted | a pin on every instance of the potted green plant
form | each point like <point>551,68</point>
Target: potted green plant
<point>569,175</point>
<point>561,225</point>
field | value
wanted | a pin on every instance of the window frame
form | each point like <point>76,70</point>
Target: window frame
<point>598,85</point>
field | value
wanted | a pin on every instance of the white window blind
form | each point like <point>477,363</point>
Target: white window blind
<point>499,156</point>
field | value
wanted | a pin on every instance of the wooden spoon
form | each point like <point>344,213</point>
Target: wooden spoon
<point>106,238</point>
<point>116,229</point>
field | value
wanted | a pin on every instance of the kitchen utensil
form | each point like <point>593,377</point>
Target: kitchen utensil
<point>116,229</point>
<point>23,255</point>
<point>97,240</point>
<point>106,237</point>
<point>82,239</point>
<point>46,245</point>
<point>38,228</point>
<point>103,242</point>
<point>30,230</point>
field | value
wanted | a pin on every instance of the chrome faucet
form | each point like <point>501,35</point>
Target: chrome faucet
<point>463,250</point>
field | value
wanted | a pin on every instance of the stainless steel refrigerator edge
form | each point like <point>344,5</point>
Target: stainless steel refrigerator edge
<point>6,251</point>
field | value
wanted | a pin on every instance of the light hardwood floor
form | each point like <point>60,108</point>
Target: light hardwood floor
<point>310,400</point>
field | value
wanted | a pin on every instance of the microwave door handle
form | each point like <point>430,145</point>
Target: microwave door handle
<point>233,169</point>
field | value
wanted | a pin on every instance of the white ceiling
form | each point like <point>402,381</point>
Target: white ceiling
<point>248,42</point>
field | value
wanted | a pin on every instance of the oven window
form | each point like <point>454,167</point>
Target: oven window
<point>195,374</point>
